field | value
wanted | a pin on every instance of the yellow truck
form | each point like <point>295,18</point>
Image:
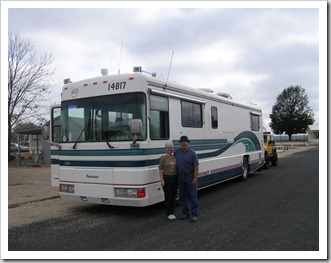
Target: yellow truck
<point>270,153</point>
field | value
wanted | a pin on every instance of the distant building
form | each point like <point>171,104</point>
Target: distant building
<point>313,133</point>
<point>295,137</point>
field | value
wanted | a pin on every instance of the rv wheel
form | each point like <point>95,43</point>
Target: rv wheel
<point>245,169</point>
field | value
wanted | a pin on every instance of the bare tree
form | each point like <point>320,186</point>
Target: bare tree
<point>29,82</point>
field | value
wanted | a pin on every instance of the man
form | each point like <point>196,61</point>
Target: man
<point>188,169</point>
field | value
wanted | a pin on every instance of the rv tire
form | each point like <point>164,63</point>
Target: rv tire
<point>245,169</point>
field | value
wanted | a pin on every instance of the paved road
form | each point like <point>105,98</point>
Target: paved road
<point>274,210</point>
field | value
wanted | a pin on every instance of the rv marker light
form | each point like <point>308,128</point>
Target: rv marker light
<point>141,193</point>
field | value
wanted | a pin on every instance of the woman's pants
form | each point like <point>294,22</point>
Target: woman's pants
<point>170,192</point>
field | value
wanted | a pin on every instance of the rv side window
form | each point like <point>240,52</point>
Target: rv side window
<point>56,125</point>
<point>214,118</point>
<point>159,122</point>
<point>191,114</point>
<point>255,122</point>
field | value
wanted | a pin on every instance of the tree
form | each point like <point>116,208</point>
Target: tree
<point>291,113</point>
<point>29,82</point>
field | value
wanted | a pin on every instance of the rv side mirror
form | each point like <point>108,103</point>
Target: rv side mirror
<point>136,130</point>
<point>136,126</point>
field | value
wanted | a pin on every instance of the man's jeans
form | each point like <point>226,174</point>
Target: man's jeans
<point>188,195</point>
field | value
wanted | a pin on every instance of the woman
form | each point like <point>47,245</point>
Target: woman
<point>169,179</point>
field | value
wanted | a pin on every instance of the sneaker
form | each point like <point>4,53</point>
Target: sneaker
<point>171,217</point>
<point>184,217</point>
<point>194,219</point>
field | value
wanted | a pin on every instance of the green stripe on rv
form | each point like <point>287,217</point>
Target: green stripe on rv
<point>248,144</point>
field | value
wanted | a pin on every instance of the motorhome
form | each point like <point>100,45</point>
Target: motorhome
<point>109,132</point>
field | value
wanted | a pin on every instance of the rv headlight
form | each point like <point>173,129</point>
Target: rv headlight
<point>120,192</point>
<point>67,188</point>
<point>130,192</point>
<point>64,188</point>
<point>71,189</point>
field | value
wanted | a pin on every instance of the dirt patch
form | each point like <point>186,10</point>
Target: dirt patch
<point>28,184</point>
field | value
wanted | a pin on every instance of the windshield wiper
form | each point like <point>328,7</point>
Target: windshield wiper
<point>88,125</point>
<point>105,139</point>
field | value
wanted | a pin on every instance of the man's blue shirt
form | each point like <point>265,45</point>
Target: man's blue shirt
<point>186,161</point>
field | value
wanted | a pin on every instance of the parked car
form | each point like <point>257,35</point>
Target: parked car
<point>14,148</point>
<point>26,144</point>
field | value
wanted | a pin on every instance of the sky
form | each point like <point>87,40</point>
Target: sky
<point>251,53</point>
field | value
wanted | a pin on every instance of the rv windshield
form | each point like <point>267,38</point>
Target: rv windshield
<point>105,118</point>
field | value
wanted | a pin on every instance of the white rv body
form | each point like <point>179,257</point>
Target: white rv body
<point>97,159</point>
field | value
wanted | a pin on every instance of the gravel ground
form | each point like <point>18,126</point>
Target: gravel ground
<point>28,184</point>
<point>31,197</point>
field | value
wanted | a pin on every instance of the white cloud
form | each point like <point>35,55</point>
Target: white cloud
<point>252,53</point>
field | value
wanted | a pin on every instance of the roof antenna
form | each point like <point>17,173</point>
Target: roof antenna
<point>119,66</point>
<point>169,67</point>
